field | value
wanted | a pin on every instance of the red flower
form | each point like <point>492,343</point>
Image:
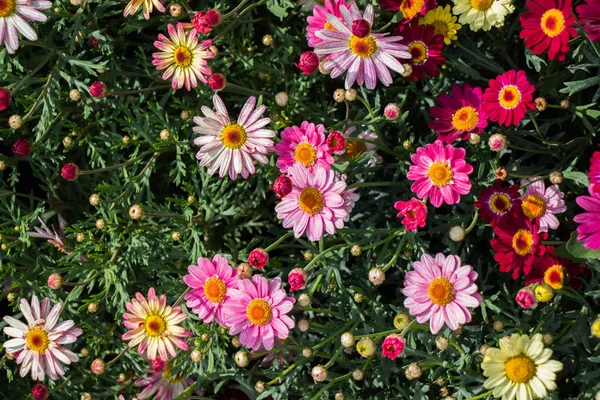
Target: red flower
<point>217,82</point>
<point>553,271</point>
<point>21,148</point>
<point>213,18</point>
<point>4,99</point>
<point>39,392</point>
<point>70,172</point>
<point>392,346</point>
<point>282,186</point>
<point>517,245</point>
<point>409,8</point>
<point>425,48</point>
<point>297,279</point>
<point>496,202</point>
<point>508,98</point>
<point>204,22</point>
<point>336,142</point>
<point>308,63</point>
<point>98,90</point>
<point>589,17</point>
<point>258,258</point>
<point>548,26</point>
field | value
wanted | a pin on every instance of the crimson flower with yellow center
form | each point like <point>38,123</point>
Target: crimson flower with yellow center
<point>154,326</point>
<point>258,311</point>
<point>424,49</point>
<point>497,202</point>
<point>554,271</point>
<point>508,98</point>
<point>210,282</point>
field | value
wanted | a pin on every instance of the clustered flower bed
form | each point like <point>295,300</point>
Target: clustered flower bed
<point>269,199</point>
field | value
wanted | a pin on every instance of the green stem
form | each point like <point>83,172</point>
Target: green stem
<point>278,242</point>
<point>323,253</point>
<point>235,10</point>
<point>245,89</point>
<point>472,225</point>
<point>395,257</point>
<point>144,90</point>
<point>373,184</point>
<point>330,384</point>
<point>321,310</point>
<point>33,72</point>
<point>393,235</point>
<point>286,371</point>
<point>481,396</point>
<point>114,360</point>
<point>316,285</point>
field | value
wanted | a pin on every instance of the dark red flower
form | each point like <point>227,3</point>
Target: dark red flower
<point>21,148</point>
<point>497,202</point>
<point>361,28</point>
<point>308,63</point>
<point>217,82</point>
<point>4,99</point>
<point>554,271</point>
<point>425,48</point>
<point>258,258</point>
<point>98,90</point>
<point>282,186</point>
<point>297,279</point>
<point>70,172</point>
<point>39,392</point>
<point>589,17</point>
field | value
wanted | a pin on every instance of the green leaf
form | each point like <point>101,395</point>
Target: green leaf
<point>577,86</point>
<point>578,177</point>
<point>576,248</point>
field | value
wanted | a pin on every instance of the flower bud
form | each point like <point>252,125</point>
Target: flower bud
<point>98,90</point>
<point>441,343</point>
<point>15,121</point>
<point>336,142</point>
<point>258,258</point>
<point>98,366</point>
<point>483,349</point>
<point>304,325</point>
<point>347,339</point>
<point>282,186</point>
<point>126,139</point>
<point>121,378</point>
<point>595,328</point>
<point>164,134</point>
<point>366,347</point>
<point>361,28</point>
<point>324,70</point>
<point>136,211</point>
<point>526,298</point>
<point>339,396</point>
<point>297,279</point>
<point>80,237</point>
<point>243,271</point>
<point>86,396</point>
<point>540,103</point>
<point>304,300</point>
<point>241,359</point>
<point>319,373</point>
<point>281,99</point>
<point>94,42</point>
<point>235,341</point>
<point>308,255</point>
<point>84,352</point>
<point>92,307</point>
<point>175,9</point>
<point>497,142</point>
<point>176,236</point>
<point>339,95</point>
<point>474,138</point>
<point>401,321</point>
<point>184,114</point>
<point>39,392</point>
<point>408,70</point>
<point>358,375</point>
<point>94,199</point>
<point>213,18</point>
<point>407,144</point>
<point>196,355</point>
<point>75,3</point>
<point>21,148</point>
<point>359,297</point>
<point>355,250</point>
<point>457,233</point>
<point>498,326</point>
<point>391,111</point>
<point>55,281</point>
<point>267,40</point>
<point>564,104</point>
<point>11,297</point>
<point>556,177</point>
<point>158,365</point>
<point>501,173</point>
<point>413,371</point>
<point>2,165</point>
<point>70,172</point>
<point>75,95</point>
<point>547,338</point>
<point>308,62</point>
<point>376,276</point>
<point>260,386</point>
<point>217,82</point>
<point>544,293</point>
<point>351,94</point>
<point>4,99</point>
<point>100,224</point>
<point>307,352</point>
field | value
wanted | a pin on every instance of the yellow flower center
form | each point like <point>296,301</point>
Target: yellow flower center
<point>440,174</point>
<point>363,47</point>
<point>155,325</point>
<point>37,338</point>
<point>311,200</point>
<point>441,291</point>
<point>215,290</point>
<point>182,56</point>
<point>522,242</point>
<point>418,52</point>
<point>533,206</point>
<point>7,8</point>
<point>354,148</point>
<point>519,369</point>
<point>410,8</point>
<point>259,312</point>
<point>441,28</point>
<point>465,118</point>
<point>481,5</point>
<point>305,154</point>
<point>510,97</point>
<point>329,26</point>
<point>555,276</point>
<point>500,203</point>
<point>553,22</point>
<point>233,136</point>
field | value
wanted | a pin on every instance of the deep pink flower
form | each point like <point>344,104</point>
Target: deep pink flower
<point>213,18</point>
<point>508,98</point>
<point>210,282</point>
<point>217,82</point>
<point>440,172</point>
<point>413,212</point>
<point>4,99</point>
<point>336,142</point>
<point>308,62</point>
<point>497,202</point>
<point>98,90</point>
<point>21,147</point>
<point>39,392</point>
<point>282,186</point>
<point>594,173</point>
<point>526,298</point>
<point>589,17</point>
<point>318,21</point>
<point>589,228</point>
<point>200,24</point>
<point>392,346</point>
<point>257,311</point>
<point>258,258</point>
<point>158,364</point>
<point>304,145</point>
<point>297,279</point>
<point>70,171</point>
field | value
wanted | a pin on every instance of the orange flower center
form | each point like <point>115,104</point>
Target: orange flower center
<point>440,174</point>
<point>555,276</point>
<point>534,206</point>
<point>182,56</point>
<point>465,118</point>
<point>510,97</point>
<point>500,203</point>
<point>329,26</point>
<point>441,291</point>
<point>553,22</point>
<point>155,325</point>
<point>233,136</point>
<point>481,5</point>
<point>410,8</point>
<point>363,47</point>
<point>7,8</point>
<point>520,369</point>
<point>215,289</point>
<point>37,338</point>
<point>311,200</point>
<point>522,242</point>
<point>259,312</point>
<point>354,148</point>
<point>305,154</point>
<point>418,52</point>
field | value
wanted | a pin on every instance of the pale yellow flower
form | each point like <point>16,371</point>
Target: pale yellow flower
<point>443,21</point>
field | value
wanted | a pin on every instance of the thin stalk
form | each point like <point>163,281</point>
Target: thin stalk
<point>274,245</point>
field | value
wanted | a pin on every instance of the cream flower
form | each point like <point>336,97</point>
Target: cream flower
<point>482,13</point>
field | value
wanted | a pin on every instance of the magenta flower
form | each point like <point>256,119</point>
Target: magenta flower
<point>526,298</point>
<point>162,384</point>
<point>392,346</point>
<point>297,279</point>
<point>497,202</point>
<point>440,172</point>
<point>257,310</point>
<point>589,17</point>
<point>304,145</point>
<point>458,115</point>
<point>38,345</point>
<point>210,282</point>
<point>589,228</point>
<point>441,290</point>
<point>413,212</point>
<point>594,173</point>
<point>318,21</point>
<point>315,204</point>
<point>541,202</point>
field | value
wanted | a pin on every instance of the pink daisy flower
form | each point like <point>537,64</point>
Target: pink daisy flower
<point>318,21</point>
<point>229,146</point>
<point>594,173</point>
<point>413,212</point>
<point>353,48</point>
<point>257,310</point>
<point>589,228</point>
<point>589,17</point>
<point>162,385</point>
<point>315,204</point>
<point>350,198</point>
<point>441,290</point>
<point>541,202</point>
<point>147,6</point>
<point>210,282</point>
<point>38,345</point>
<point>458,115</point>
<point>508,98</point>
<point>154,326</point>
<point>392,346</point>
<point>14,15</point>
<point>440,172</point>
<point>304,145</point>
<point>182,57</point>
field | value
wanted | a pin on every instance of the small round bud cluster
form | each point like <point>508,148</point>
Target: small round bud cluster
<point>75,95</point>
<point>282,99</point>
<point>307,352</point>
<point>304,325</point>
<point>55,281</point>
<point>94,199</point>
<point>164,134</point>
<point>376,276</point>
<point>413,371</point>
<point>347,339</point>
<point>355,250</point>
<point>176,236</point>
<point>267,40</point>
<point>358,375</point>
<point>15,121</point>
<point>441,343</point>
<point>304,300</point>
<point>319,373</point>
<point>136,211</point>
<point>100,224</point>
<point>80,237</point>
<point>241,359</point>
<point>339,95</point>
<point>457,233</point>
<point>98,366</point>
<point>540,103</point>
<point>92,307</point>
<point>556,177</point>
<point>351,94</point>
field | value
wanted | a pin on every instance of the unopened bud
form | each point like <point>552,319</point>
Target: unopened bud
<point>260,386</point>
<point>347,339</point>
<point>303,325</point>
<point>100,224</point>
<point>136,211</point>
<point>441,343</point>
<point>98,366</point>
<point>498,326</point>
<point>319,373</point>
<point>92,307</point>
<point>413,371</point>
<point>55,281</point>
<point>376,276</point>
<point>351,94</point>
<point>358,375</point>
<point>457,233</point>
<point>307,352</point>
<point>304,300</point>
<point>75,95</point>
<point>267,40</point>
<point>281,99</point>
<point>241,359</point>
<point>556,177</point>
<point>339,95</point>
<point>355,250</point>
<point>94,199</point>
<point>541,103</point>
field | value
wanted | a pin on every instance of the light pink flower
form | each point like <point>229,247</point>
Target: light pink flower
<point>589,228</point>
<point>154,326</point>
<point>38,345</point>
<point>541,202</point>
<point>440,172</point>
<point>526,298</point>
<point>210,282</point>
<point>392,346</point>
<point>304,145</point>
<point>162,385</point>
<point>441,290</point>
<point>257,310</point>
<point>414,212</point>
<point>13,20</point>
<point>315,204</point>
<point>350,198</point>
<point>318,21</point>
